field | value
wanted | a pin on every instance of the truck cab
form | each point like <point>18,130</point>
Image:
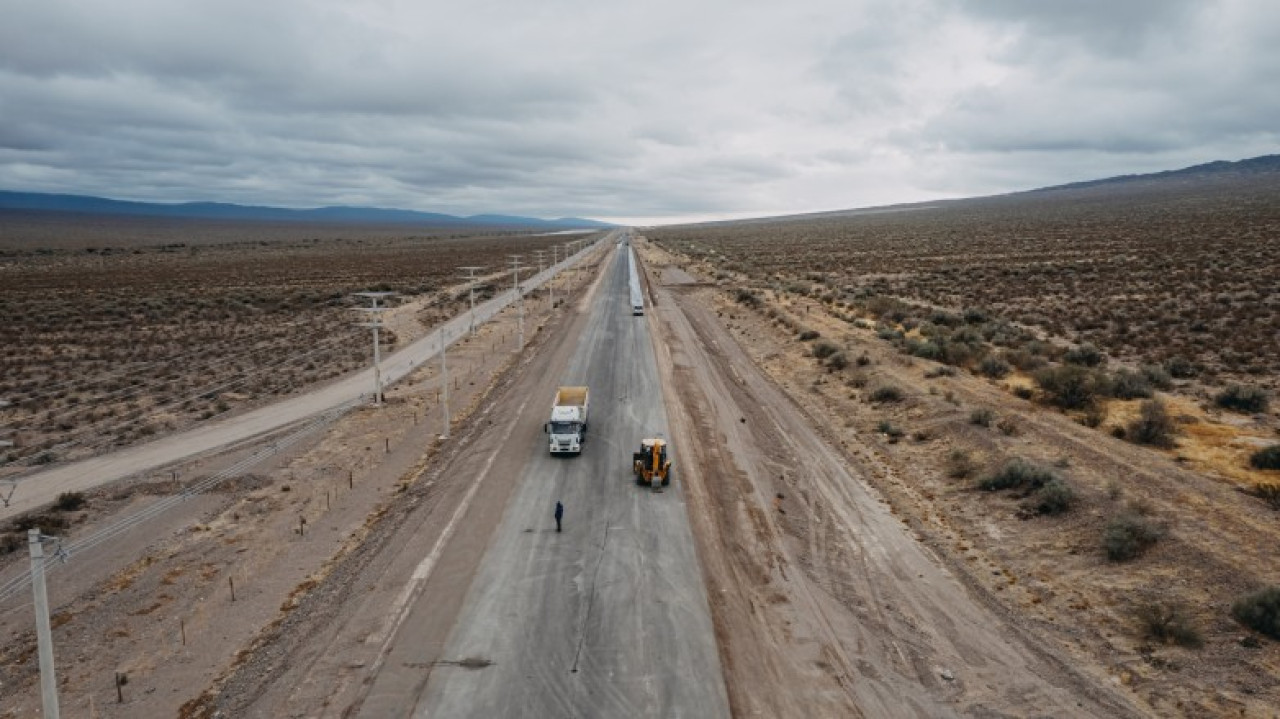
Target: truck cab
<point>566,430</point>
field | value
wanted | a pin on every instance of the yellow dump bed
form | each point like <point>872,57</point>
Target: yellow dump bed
<point>571,396</point>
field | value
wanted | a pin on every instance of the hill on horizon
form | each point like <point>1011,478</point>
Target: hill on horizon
<point>89,205</point>
<point>1256,174</point>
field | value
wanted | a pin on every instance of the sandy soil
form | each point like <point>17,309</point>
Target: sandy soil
<point>815,600</point>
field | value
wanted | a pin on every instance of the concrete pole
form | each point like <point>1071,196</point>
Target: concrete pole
<point>471,278</point>
<point>44,633</point>
<point>377,367</point>
<point>515,265</point>
<point>444,384</point>
<point>551,288</point>
<point>375,322</point>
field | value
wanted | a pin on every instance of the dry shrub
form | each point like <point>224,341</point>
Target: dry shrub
<point>1260,611</point>
<point>1243,398</point>
<point>1168,623</point>
<point>1153,425</point>
<point>1128,535</point>
<point>1069,386</point>
<point>960,464</point>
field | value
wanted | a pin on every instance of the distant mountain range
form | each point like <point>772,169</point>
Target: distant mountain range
<point>35,201</point>
<point>1243,169</point>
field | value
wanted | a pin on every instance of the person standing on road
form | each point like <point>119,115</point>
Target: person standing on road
<point>559,514</point>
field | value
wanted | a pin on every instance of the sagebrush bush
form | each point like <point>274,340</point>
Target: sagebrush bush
<point>982,416</point>
<point>1084,355</point>
<point>824,348</point>
<point>1181,367</point>
<point>960,464</point>
<point>994,367</point>
<point>1055,497</point>
<point>1157,376</point>
<point>1168,623</point>
<point>886,393</point>
<point>806,335</point>
<point>1266,458</point>
<point>1025,361</point>
<point>1127,384</point>
<point>838,361</point>
<point>1017,473</point>
<point>1153,425</point>
<point>1128,535</point>
<point>70,501</point>
<point>890,429</point>
<point>1260,611</point>
<point>1068,386</point>
<point>1243,398</point>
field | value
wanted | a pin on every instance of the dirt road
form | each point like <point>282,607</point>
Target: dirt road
<point>825,603</point>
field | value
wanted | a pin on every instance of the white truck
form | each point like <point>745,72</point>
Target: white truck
<point>568,426</point>
<point>633,280</point>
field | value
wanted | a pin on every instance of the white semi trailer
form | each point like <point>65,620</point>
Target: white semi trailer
<point>637,295</point>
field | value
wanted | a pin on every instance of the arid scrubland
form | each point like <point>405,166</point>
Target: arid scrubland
<point>116,329</point>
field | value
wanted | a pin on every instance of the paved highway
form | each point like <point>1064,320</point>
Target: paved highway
<point>608,618</point>
<point>42,487</point>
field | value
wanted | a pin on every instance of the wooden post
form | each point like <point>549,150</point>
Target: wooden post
<point>326,500</point>
<point>351,482</point>
<point>183,623</point>
<point>119,691</point>
<point>231,581</point>
<point>302,526</point>
<point>386,442</point>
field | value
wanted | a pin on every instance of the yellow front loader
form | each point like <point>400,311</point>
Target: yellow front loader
<point>650,464</point>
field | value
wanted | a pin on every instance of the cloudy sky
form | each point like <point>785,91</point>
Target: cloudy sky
<point>634,111</point>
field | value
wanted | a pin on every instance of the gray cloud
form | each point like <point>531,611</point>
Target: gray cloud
<point>660,110</point>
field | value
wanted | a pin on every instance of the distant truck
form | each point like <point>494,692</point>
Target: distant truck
<point>568,426</point>
<point>633,282</point>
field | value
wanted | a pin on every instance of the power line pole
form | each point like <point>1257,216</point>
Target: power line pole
<point>471,279</point>
<point>375,312</point>
<point>44,633</point>
<point>542,257</point>
<point>515,265</point>
<point>551,288</point>
<point>568,252</point>
<point>444,383</point>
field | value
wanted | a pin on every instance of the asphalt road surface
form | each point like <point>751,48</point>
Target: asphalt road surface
<point>42,487</point>
<point>608,617</point>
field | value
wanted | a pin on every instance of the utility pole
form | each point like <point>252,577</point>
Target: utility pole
<point>515,265</point>
<point>542,256</point>
<point>471,279</point>
<point>444,383</point>
<point>551,288</point>
<point>568,247</point>
<point>44,634</point>
<point>375,312</point>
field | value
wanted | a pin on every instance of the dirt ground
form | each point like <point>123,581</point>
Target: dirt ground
<point>799,592</point>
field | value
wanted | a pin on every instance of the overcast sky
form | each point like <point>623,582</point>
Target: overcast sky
<point>633,111</point>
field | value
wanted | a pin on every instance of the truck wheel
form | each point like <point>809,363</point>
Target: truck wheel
<point>667,478</point>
